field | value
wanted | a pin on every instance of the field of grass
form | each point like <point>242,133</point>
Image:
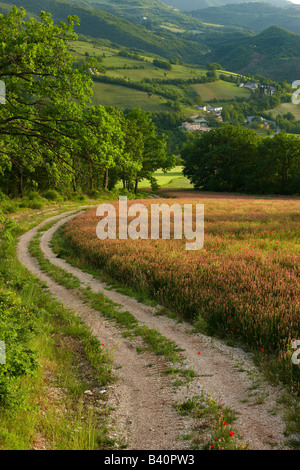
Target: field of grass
<point>243,285</point>
<point>220,90</point>
<point>285,108</point>
<point>79,48</point>
<point>112,59</point>
<point>107,94</point>
<point>149,70</point>
<point>173,178</point>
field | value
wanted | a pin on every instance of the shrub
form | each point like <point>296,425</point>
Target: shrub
<point>36,204</point>
<point>3,196</point>
<point>52,195</point>
<point>9,207</point>
<point>94,194</point>
<point>34,195</point>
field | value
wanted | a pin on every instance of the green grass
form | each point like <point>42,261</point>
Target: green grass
<point>171,179</point>
<point>220,90</point>
<point>47,409</point>
<point>285,108</point>
<point>216,420</point>
<point>106,94</point>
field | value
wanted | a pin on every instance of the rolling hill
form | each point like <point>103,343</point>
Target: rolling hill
<point>189,5</point>
<point>253,16</point>
<point>100,24</point>
<point>274,53</point>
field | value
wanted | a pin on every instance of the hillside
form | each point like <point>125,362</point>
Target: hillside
<point>189,5</point>
<point>253,16</point>
<point>273,53</point>
<point>100,24</point>
<point>166,33</point>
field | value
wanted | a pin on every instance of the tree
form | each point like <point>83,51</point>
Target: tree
<point>278,168</point>
<point>100,146</point>
<point>44,94</point>
<point>153,156</point>
<point>221,159</point>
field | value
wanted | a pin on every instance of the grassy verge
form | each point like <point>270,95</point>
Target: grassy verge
<point>54,368</point>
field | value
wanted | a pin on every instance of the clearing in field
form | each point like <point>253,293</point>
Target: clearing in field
<point>171,179</point>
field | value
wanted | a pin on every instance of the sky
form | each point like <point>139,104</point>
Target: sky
<point>296,1</point>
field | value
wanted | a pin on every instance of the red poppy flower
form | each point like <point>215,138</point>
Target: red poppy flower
<point>231,433</point>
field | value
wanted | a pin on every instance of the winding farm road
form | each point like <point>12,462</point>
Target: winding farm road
<point>142,396</point>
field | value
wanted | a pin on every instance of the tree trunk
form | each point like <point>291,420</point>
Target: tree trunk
<point>106,178</point>
<point>21,183</point>
<point>74,183</point>
<point>91,178</point>
<point>136,186</point>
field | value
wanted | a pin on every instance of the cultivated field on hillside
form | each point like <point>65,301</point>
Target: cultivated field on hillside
<point>106,94</point>
<point>220,90</point>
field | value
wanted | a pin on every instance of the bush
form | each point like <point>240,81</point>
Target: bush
<point>9,207</point>
<point>52,195</point>
<point>34,195</point>
<point>94,194</point>
<point>80,197</point>
<point>35,205</point>
<point>3,196</point>
<point>15,334</point>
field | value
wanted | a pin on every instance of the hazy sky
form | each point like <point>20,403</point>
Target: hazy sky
<point>295,1</point>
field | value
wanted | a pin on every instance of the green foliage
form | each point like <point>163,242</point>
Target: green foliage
<point>236,159</point>
<point>96,23</point>
<point>51,195</point>
<point>41,133</point>
<point>162,64</point>
<point>252,16</point>
<point>272,53</point>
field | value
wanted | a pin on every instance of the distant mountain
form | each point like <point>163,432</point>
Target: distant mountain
<point>273,53</point>
<point>253,16</point>
<point>189,5</point>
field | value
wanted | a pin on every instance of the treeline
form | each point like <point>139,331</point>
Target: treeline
<point>237,160</point>
<point>50,135</point>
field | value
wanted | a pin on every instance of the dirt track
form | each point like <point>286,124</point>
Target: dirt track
<point>142,396</point>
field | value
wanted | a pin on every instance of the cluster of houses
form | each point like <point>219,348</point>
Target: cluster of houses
<point>268,89</point>
<point>200,124</point>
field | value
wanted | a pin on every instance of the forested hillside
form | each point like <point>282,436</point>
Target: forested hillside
<point>253,16</point>
<point>100,24</point>
<point>273,53</point>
